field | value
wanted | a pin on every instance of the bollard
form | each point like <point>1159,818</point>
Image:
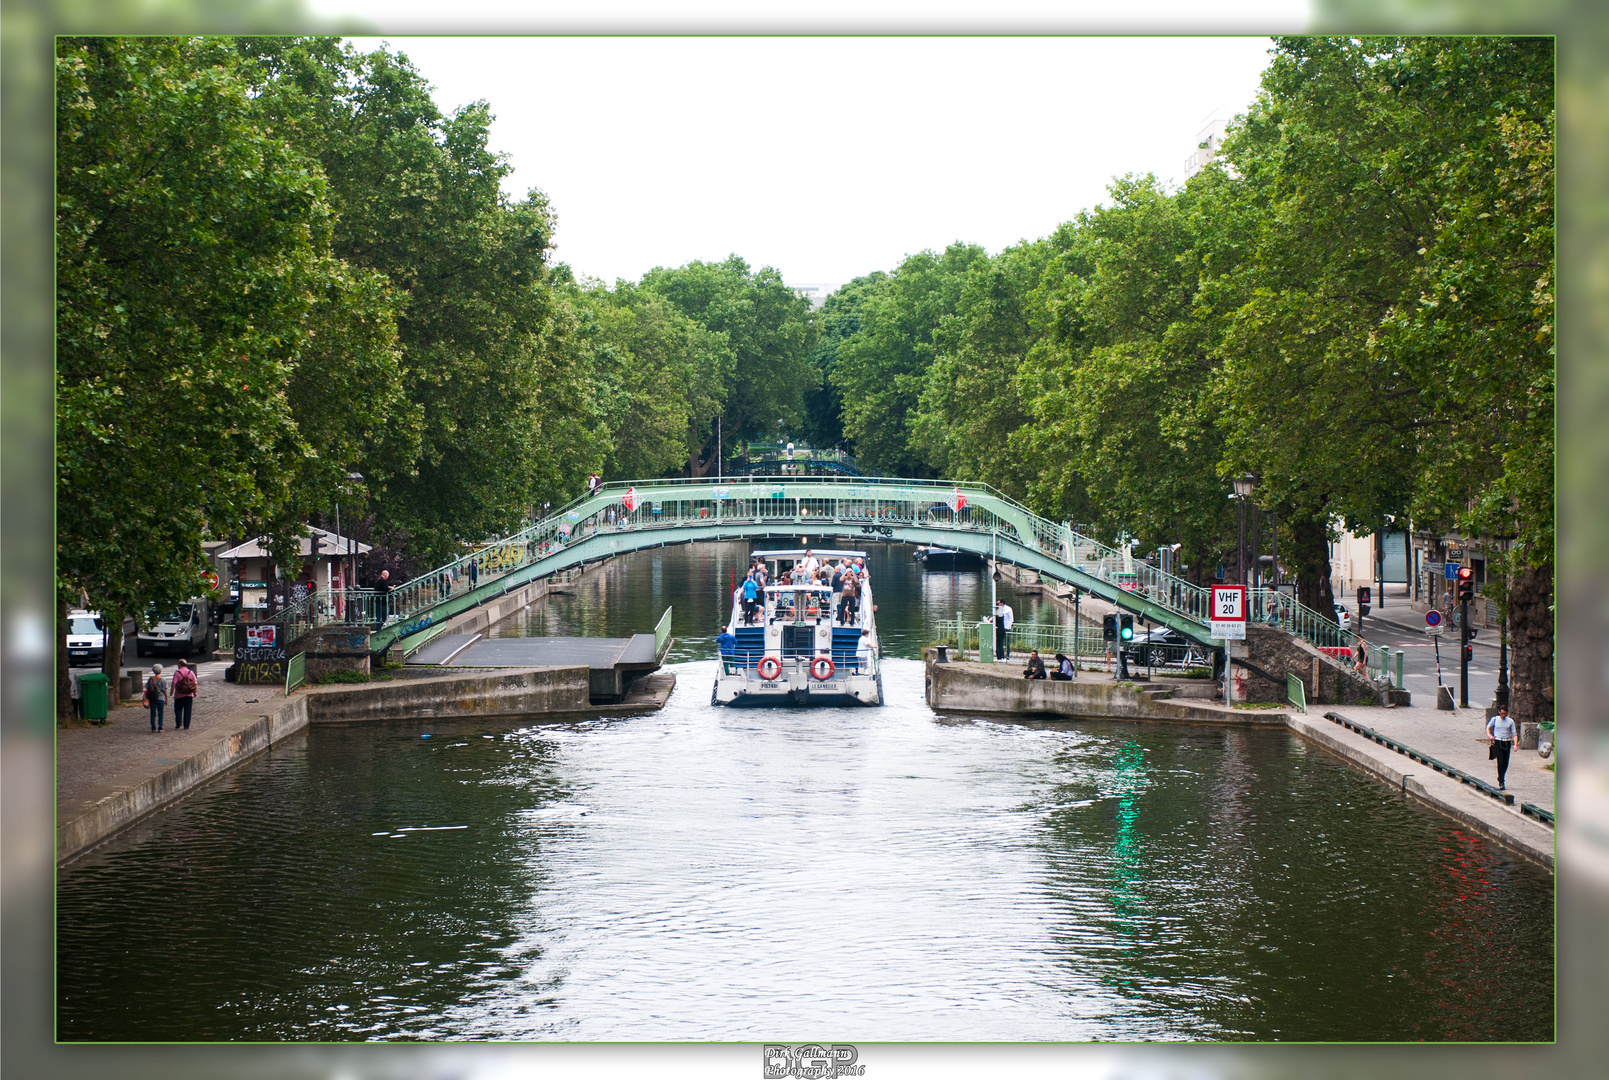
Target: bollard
<point>1399,669</point>
<point>1444,698</point>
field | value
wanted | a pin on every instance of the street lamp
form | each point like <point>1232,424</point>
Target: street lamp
<point>1245,484</point>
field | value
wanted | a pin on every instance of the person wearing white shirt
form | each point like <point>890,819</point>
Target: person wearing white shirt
<point>1505,736</point>
<point>863,652</point>
<point>1003,619</point>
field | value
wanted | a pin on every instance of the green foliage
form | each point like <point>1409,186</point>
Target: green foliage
<point>769,331</point>
<point>198,302</point>
<point>500,412</point>
<point>342,675</point>
<point>839,320</point>
<point>882,367</point>
<point>658,375</point>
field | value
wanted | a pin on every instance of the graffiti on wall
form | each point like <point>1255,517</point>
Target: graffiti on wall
<point>259,664</point>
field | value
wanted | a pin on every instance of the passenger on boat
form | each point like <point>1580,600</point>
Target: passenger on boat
<point>726,642</point>
<point>751,591</point>
<point>850,606</point>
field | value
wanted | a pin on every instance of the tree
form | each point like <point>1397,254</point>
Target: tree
<point>1125,428</point>
<point>661,373</point>
<point>882,366</point>
<point>988,365</point>
<point>770,332</point>
<point>1390,346</point>
<point>505,414</point>
<point>840,320</point>
<point>195,281</point>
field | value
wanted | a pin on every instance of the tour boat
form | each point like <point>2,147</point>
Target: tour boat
<point>794,649</point>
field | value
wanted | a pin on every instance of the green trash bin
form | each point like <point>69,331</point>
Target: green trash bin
<point>93,688</point>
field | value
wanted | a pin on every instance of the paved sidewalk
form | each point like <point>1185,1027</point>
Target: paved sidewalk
<point>95,762</point>
<point>1458,739</point>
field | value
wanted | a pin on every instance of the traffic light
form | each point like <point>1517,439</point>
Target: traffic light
<point>1365,597</point>
<point>1109,628</point>
<point>1127,630</point>
<point>1469,653</point>
<point>1466,584</point>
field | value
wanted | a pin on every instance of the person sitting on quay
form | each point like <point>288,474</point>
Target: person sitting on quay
<point>1036,666</point>
<point>1064,669</point>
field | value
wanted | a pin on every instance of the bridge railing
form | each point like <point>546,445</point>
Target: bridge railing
<point>869,501</point>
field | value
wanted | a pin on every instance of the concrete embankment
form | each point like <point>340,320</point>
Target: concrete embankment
<point>110,777</point>
<point>1000,690</point>
<point>511,693</point>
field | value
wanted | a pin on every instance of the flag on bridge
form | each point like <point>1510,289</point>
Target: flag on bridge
<point>629,499</point>
<point>957,500</point>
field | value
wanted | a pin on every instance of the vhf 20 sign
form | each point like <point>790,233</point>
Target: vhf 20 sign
<point>1229,612</point>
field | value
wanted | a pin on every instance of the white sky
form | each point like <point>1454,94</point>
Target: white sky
<point>829,157</point>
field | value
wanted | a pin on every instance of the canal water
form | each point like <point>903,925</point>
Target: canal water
<point>837,874</point>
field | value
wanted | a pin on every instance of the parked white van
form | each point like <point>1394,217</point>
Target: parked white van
<point>86,638</point>
<point>183,630</point>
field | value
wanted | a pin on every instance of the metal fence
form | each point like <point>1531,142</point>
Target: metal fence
<point>662,634</point>
<point>805,500</point>
<point>295,672</point>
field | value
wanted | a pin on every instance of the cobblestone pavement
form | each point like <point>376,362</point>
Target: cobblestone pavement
<point>94,762</point>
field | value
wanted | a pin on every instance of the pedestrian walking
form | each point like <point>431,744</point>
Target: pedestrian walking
<point>1360,656</point>
<point>1505,736</point>
<point>156,697</point>
<point>185,685</point>
<point>75,690</point>
<point>474,572</point>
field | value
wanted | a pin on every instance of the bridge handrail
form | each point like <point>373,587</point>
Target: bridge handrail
<point>927,503</point>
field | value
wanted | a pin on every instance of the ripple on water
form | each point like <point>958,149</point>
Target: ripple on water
<point>705,873</point>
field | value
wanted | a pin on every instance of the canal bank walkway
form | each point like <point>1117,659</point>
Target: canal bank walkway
<point>98,765</point>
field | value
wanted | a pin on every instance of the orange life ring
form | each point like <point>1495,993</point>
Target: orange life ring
<point>770,668</point>
<point>822,668</point>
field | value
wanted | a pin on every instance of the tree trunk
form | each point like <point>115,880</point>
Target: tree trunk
<point>112,661</point>
<point>64,686</point>
<point>1530,620</point>
<point>1310,555</point>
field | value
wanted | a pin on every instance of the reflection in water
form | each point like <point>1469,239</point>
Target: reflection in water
<point>727,874</point>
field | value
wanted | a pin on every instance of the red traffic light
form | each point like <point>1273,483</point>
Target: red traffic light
<point>1466,573</point>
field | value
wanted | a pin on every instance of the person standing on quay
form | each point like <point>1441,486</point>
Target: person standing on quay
<point>1505,737</point>
<point>1003,619</point>
<point>156,697</point>
<point>185,686</point>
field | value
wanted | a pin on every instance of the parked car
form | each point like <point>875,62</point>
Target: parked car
<point>1163,646</point>
<point>1343,616</point>
<point>184,630</point>
<point>86,638</point>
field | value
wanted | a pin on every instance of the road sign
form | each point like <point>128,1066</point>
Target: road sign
<point>1229,612</point>
<point>1435,630</point>
<point>1432,618</point>
<point>211,578</point>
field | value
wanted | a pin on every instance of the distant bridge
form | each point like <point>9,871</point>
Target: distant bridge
<point>625,517</point>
